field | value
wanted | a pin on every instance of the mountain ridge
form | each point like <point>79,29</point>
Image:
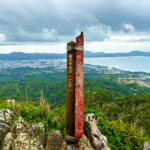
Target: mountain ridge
<point>87,54</point>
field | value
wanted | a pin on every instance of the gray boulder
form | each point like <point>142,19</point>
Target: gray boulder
<point>97,140</point>
<point>84,143</point>
<point>20,139</point>
<point>18,126</point>
<point>8,140</point>
<point>55,141</point>
<point>5,120</point>
<point>25,142</point>
<point>146,146</point>
<point>36,130</point>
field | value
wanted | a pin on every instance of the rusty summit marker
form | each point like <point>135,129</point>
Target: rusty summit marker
<point>75,88</point>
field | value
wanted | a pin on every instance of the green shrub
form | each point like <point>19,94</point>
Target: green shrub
<point>120,136</point>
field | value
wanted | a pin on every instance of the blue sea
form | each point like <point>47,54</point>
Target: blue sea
<point>134,63</point>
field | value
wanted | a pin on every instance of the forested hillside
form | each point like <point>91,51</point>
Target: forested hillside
<point>29,83</point>
<point>120,107</point>
<point>133,110</point>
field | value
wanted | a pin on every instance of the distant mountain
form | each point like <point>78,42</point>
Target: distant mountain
<point>31,56</point>
<point>87,54</point>
<point>132,53</point>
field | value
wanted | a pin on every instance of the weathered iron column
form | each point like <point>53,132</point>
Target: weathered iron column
<point>79,85</point>
<point>70,89</point>
<point>75,88</point>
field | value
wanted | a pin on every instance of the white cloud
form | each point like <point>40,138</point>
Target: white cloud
<point>45,30</point>
<point>130,38</point>
<point>115,46</point>
<point>43,35</point>
<point>96,32</point>
<point>2,37</point>
<point>128,27</point>
<point>103,46</point>
<point>34,48</point>
<point>57,22</point>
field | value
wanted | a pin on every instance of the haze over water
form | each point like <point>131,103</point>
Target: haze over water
<point>134,63</point>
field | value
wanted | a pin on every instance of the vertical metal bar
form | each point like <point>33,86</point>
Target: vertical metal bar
<point>70,91</point>
<point>79,87</point>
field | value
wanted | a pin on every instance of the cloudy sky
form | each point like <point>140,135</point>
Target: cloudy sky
<point>47,25</point>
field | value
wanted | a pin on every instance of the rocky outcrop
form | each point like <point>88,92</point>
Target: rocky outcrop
<point>84,143</point>
<point>23,136</point>
<point>55,141</point>
<point>5,120</point>
<point>98,141</point>
<point>11,101</point>
<point>26,135</point>
<point>72,147</point>
<point>36,130</point>
<point>8,141</point>
<point>25,142</point>
<point>91,118</point>
<point>93,140</point>
<point>18,126</point>
<point>146,146</point>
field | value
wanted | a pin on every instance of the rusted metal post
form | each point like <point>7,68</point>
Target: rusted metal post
<point>79,85</point>
<point>70,89</point>
<point>74,92</point>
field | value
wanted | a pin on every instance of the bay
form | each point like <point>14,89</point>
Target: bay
<point>132,63</point>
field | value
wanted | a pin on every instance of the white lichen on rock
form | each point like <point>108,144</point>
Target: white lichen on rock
<point>97,139</point>
<point>5,120</point>
<point>84,143</point>
<point>24,136</point>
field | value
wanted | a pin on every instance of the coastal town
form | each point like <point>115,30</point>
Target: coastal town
<point>125,77</point>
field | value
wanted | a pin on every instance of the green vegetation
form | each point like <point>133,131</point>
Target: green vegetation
<point>26,84</point>
<point>133,110</point>
<point>123,110</point>
<point>34,114</point>
<point>120,135</point>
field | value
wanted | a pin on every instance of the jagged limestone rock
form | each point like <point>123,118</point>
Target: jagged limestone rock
<point>55,141</point>
<point>8,140</point>
<point>90,118</point>
<point>84,143</point>
<point>36,130</point>
<point>97,140</point>
<point>55,119</point>
<point>72,147</point>
<point>26,136</point>
<point>23,136</point>
<point>18,126</point>
<point>36,126</point>
<point>5,120</point>
<point>11,101</point>
<point>25,142</point>
<point>146,146</point>
<point>64,146</point>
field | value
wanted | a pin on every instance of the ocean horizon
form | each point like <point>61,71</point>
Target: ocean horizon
<point>131,63</point>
